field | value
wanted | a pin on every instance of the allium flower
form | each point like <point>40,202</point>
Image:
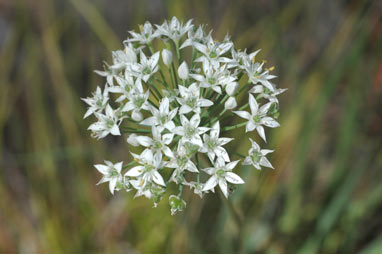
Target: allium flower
<point>221,174</point>
<point>111,173</point>
<point>173,111</point>
<point>258,117</point>
<point>257,157</point>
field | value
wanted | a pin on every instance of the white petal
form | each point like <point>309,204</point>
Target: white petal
<point>223,186</point>
<point>135,171</point>
<point>265,162</point>
<point>118,166</point>
<point>103,169</point>
<point>205,103</point>
<point>232,165</point>
<point>115,130</point>
<point>112,184</point>
<point>253,104</point>
<point>233,178</point>
<point>184,109</point>
<point>211,183</point>
<point>195,120</point>
<point>250,126</point>
<point>144,141</point>
<point>149,121</point>
<point>243,114</point>
<point>269,122</point>
<point>261,132</point>
<point>158,179</point>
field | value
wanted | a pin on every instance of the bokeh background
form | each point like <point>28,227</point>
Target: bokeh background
<point>325,195</point>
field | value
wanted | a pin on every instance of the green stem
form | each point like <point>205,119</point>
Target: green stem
<point>228,128</point>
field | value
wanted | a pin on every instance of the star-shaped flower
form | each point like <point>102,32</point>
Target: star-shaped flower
<point>146,68</point>
<point>174,30</point>
<point>256,156</point>
<point>213,145</point>
<point>107,123</point>
<point>213,52</point>
<point>221,174</point>
<point>111,173</point>
<point>148,170</point>
<point>98,102</point>
<point>158,143</point>
<point>162,118</point>
<point>258,117</point>
<point>190,99</point>
<point>145,36</point>
<point>190,130</point>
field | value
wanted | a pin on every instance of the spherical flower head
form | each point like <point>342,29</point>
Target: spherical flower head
<point>177,110</point>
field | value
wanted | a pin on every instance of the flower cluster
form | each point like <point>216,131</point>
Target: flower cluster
<point>174,90</point>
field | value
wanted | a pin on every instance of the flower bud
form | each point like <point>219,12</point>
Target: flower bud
<point>231,88</point>
<point>137,116</point>
<point>183,71</point>
<point>167,57</point>
<point>230,103</point>
<point>132,140</point>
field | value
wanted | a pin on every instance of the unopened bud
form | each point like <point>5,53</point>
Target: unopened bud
<point>230,103</point>
<point>183,71</point>
<point>167,57</point>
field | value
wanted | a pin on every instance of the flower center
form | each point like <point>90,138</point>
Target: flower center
<point>138,102</point>
<point>257,118</point>
<point>256,156</point>
<point>220,172</point>
<point>190,131</point>
<point>213,54</point>
<point>212,81</point>
<point>182,161</point>
<point>211,144</point>
<point>146,71</point>
<point>157,145</point>
<point>191,102</point>
<point>109,123</point>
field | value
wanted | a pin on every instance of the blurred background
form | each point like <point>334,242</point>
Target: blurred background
<point>325,195</point>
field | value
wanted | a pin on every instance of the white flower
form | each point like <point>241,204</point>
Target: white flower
<point>107,123</point>
<point>174,30</point>
<point>158,143</point>
<point>213,52</point>
<point>111,173</point>
<point>125,87</point>
<point>123,58</point>
<point>190,130</point>
<point>148,170</point>
<point>180,162</point>
<point>147,66</point>
<point>256,156</point>
<point>167,57</point>
<point>214,78</point>
<point>137,101</point>
<point>194,37</point>
<point>145,36</point>
<point>213,145</point>
<point>98,102</point>
<point>190,99</point>
<point>264,92</point>
<point>183,71</point>
<point>256,75</point>
<point>162,118</point>
<point>258,117</point>
<point>221,174</point>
